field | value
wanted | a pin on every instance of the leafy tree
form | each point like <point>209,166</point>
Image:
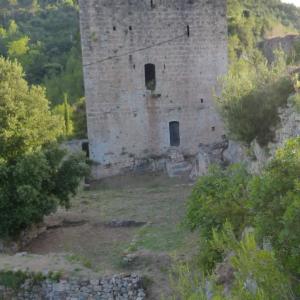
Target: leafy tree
<point>219,196</point>
<point>275,201</point>
<point>35,176</point>
<point>252,93</point>
<point>26,123</point>
<point>34,185</point>
<point>46,32</point>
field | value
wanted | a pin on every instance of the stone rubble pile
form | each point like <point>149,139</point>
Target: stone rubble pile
<point>126,287</point>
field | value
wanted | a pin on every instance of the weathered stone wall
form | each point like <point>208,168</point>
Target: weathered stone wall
<point>127,122</point>
<point>117,288</point>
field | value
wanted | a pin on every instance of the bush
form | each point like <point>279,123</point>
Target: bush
<point>252,94</point>
<point>269,202</point>
<point>275,200</point>
<point>219,196</point>
<point>26,123</point>
<point>34,178</point>
<point>257,273</point>
<point>34,185</point>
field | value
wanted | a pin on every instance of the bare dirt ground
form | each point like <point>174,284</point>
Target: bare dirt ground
<point>137,218</point>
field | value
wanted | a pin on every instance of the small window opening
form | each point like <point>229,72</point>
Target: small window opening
<point>213,128</point>
<point>152,4</point>
<point>246,14</point>
<point>188,30</point>
<point>174,133</point>
<point>85,148</point>
<point>114,28</point>
<point>164,66</point>
<point>202,100</point>
<point>150,79</point>
<point>133,66</point>
<point>130,28</point>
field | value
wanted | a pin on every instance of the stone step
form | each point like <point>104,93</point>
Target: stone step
<point>179,169</point>
<point>175,156</point>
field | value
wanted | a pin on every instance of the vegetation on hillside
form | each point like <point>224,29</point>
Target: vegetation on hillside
<point>252,93</point>
<point>249,223</point>
<point>35,175</point>
<point>254,90</point>
<point>250,21</point>
<point>44,37</point>
<point>249,232</point>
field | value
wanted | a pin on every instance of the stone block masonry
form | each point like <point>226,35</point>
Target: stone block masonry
<point>127,287</point>
<point>150,69</point>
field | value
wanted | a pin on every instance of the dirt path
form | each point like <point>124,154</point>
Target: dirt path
<point>133,217</point>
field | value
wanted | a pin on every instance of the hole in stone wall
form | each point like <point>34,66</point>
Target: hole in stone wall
<point>152,4</point>
<point>150,77</point>
<point>188,30</point>
<point>202,100</point>
<point>85,148</point>
<point>130,28</point>
<point>174,133</point>
<point>213,128</point>
<point>114,28</point>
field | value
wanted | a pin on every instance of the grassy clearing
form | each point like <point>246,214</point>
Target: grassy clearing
<point>93,248</point>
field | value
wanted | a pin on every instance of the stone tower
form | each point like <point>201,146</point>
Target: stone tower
<point>150,69</point>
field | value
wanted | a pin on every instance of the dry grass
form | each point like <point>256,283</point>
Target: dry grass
<point>93,248</point>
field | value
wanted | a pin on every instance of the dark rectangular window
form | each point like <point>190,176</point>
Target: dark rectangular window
<point>150,77</point>
<point>174,133</point>
<point>85,148</point>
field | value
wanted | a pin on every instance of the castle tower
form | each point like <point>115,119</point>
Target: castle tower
<point>150,69</point>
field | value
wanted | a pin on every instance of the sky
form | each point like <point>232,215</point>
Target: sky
<point>296,2</point>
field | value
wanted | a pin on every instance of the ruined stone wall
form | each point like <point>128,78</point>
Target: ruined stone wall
<point>127,122</point>
<point>118,287</point>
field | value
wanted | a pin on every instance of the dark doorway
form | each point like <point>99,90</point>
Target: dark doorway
<point>85,148</point>
<point>150,78</point>
<point>174,133</point>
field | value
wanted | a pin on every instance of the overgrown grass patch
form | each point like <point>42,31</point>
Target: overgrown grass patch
<point>14,280</point>
<point>166,237</point>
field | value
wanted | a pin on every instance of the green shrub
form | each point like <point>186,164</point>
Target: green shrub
<point>187,283</point>
<point>12,280</point>
<point>34,185</point>
<point>34,178</point>
<point>257,273</point>
<point>26,123</point>
<point>252,94</point>
<point>269,202</point>
<point>219,196</point>
<point>275,200</point>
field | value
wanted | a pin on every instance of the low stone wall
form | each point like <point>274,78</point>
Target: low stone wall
<point>122,287</point>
